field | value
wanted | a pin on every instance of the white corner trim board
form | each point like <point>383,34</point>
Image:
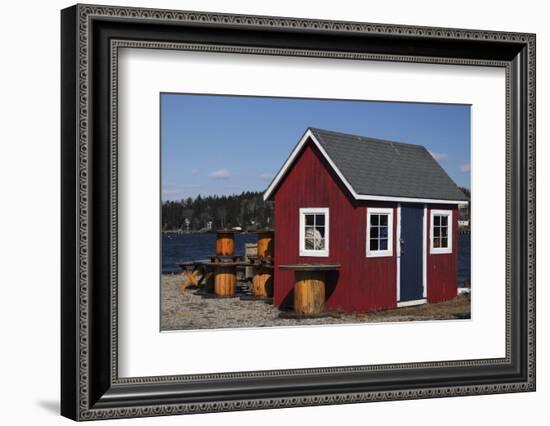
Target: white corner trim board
<point>308,135</point>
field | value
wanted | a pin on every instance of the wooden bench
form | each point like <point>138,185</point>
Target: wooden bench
<point>191,271</point>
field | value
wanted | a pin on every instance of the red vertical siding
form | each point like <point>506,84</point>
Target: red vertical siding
<point>362,283</point>
<point>442,268</point>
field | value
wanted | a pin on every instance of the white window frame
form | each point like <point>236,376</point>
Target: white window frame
<point>314,210</point>
<point>449,248</point>
<point>380,253</point>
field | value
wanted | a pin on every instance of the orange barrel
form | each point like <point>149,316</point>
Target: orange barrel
<point>225,243</point>
<point>309,292</point>
<point>265,242</point>
<point>225,281</point>
<point>262,282</point>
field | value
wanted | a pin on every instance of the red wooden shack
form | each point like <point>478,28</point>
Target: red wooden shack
<point>385,211</point>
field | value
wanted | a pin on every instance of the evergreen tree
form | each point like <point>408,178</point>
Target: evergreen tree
<point>247,210</point>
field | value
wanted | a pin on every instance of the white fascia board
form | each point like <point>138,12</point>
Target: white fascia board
<point>336,170</point>
<point>298,148</point>
<point>307,135</point>
<point>408,200</point>
<point>275,182</point>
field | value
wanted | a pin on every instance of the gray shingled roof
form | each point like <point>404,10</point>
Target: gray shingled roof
<point>386,168</point>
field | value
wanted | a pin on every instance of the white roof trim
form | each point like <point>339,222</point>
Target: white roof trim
<point>275,182</point>
<point>309,135</point>
<point>409,200</point>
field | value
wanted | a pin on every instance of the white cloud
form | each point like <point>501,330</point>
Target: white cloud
<point>220,174</point>
<point>439,156</point>
<point>464,167</point>
<point>266,176</point>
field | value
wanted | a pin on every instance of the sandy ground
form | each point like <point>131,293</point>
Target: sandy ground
<point>185,310</point>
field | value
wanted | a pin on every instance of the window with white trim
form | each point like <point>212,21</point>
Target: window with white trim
<point>314,232</point>
<point>441,235</point>
<point>379,232</point>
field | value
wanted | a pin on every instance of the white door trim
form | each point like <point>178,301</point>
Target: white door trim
<point>424,260</point>
<point>398,253</point>
<point>425,253</point>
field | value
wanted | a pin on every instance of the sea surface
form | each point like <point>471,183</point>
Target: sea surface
<point>178,247</point>
<point>201,246</point>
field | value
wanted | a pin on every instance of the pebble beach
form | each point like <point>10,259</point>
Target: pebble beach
<point>187,310</point>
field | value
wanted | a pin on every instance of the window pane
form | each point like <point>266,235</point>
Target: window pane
<point>315,231</point>
<point>444,220</point>
<point>320,244</point>
<point>374,219</point>
<point>444,242</point>
<point>384,219</point>
<point>374,232</point>
<point>320,230</point>
<point>319,219</point>
<point>437,220</point>
<point>437,243</point>
<point>373,245</point>
<point>444,231</point>
<point>384,244</point>
<point>437,232</point>
<point>383,232</point>
<point>310,238</point>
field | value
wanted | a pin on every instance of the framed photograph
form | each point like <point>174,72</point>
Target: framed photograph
<point>263,212</point>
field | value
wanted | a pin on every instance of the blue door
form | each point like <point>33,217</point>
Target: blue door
<point>411,285</point>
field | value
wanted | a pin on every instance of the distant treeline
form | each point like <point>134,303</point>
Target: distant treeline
<point>247,210</point>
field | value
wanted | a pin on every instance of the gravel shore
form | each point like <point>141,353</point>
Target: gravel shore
<point>185,310</point>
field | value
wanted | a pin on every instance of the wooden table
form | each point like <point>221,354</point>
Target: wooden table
<point>225,259</point>
<point>310,287</point>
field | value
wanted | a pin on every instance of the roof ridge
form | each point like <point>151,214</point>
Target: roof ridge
<point>368,138</point>
<point>370,166</point>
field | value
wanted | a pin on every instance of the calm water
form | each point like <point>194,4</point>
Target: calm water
<point>188,247</point>
<point>199,246</point>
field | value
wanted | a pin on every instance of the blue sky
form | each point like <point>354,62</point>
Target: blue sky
<point>228,144</point>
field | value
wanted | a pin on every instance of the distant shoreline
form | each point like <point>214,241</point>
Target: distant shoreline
<point>180,231</point>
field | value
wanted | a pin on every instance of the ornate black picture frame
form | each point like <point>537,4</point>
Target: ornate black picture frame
<point>91,388</point>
